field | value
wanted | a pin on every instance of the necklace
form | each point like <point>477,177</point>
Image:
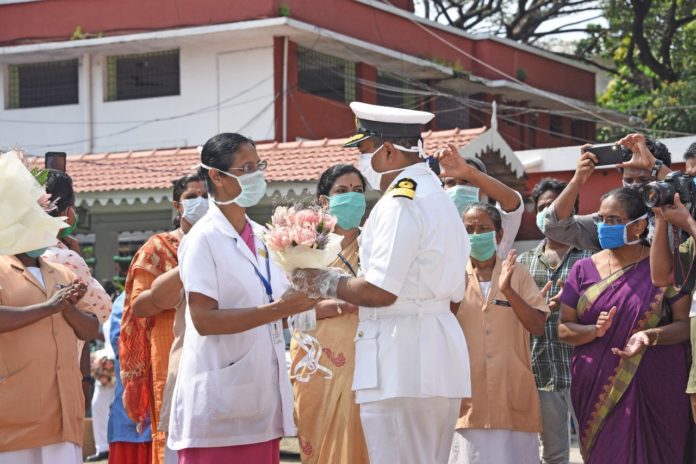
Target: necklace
<point>635,264</point>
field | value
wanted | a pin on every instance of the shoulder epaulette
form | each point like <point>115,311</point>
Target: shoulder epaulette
<point>405,188</point>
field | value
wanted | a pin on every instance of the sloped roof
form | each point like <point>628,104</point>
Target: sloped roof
<point>300,161</point>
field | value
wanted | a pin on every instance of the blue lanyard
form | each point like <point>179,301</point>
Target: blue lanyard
<point>265,282</point>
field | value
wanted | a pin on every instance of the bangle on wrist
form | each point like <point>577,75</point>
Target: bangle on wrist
<point>338,307</point>
<point>656,339</point>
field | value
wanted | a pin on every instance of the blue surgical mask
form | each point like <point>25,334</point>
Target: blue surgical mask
<point>349,208</point>
<point>540,219</point>
<point>615,236</point>
<point>483,245</point>
<point>463,196</point>
<point>194,209</point>
<point>35,253</point>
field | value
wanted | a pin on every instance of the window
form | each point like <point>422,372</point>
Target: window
<point>556,125</point>
<point>143,75</point>
<point>393,90</point>
<point>49,83</point>
<point>451,113</point>
<point>579,130</point>
<point>325,76</point>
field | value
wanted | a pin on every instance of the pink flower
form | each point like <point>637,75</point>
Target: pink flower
<point>278,239</point>
<point>280,217</point>
<point>329,222</point>
<point>302,236</point>
<point>307,218</point>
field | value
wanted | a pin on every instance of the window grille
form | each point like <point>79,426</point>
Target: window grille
<point>325,76</point>
<point>393,90</point>
<point>450,113</point>
<point>48,83</point>
<point>142,75</point>
<point>556,125</point>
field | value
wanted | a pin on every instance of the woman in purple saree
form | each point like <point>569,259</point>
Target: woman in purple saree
<point>629,366</point>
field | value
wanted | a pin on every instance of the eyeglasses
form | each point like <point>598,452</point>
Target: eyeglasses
<point>248,168</point>
<point>609,220</point>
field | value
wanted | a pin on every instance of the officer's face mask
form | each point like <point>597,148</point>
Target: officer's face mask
<point>373,177</point>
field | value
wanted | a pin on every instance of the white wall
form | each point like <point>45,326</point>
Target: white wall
<point>224,85</point>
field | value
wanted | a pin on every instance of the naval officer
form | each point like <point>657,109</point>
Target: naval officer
<point>412,364</point>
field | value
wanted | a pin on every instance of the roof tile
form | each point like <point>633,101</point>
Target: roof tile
<point>287,162</point>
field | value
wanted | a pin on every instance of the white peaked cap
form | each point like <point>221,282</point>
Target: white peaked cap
<point>390,114</point>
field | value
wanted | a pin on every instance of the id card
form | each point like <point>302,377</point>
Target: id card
<point>277,332</point>
<point>306,321</point>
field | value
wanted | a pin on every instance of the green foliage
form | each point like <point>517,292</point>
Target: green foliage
<point>651,43</point>
<point>78,34</point>
<point>521,75</point>
<point>284,10</point>
<point>41,175</point>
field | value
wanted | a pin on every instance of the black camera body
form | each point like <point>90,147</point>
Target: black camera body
<point>660,193</point>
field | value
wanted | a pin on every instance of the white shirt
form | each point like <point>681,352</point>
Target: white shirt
<point>416,249</point>
<point>231,389</point>
<point>510,223</point>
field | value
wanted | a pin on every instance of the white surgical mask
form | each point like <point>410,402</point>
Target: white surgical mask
<point>373,177</point>
<point>194,209</point>
<point>253,187</point>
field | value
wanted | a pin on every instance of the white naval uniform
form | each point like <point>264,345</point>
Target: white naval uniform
<point>411,357</point>
<point>232,389</point>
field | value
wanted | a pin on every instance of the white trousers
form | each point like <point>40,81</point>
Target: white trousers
<point>58,453</point>
<point>494,446</point>
<point>101,403</point>
<point>409,430</point>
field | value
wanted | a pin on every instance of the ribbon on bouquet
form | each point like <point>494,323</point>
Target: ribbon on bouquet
<point>309,364</point>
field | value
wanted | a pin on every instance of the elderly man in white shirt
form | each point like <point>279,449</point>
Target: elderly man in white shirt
<point>412,365</point>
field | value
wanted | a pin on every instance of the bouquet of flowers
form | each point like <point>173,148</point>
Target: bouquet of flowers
<point>302,238</point>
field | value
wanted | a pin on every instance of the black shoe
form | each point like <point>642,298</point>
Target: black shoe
<point>104,455</point>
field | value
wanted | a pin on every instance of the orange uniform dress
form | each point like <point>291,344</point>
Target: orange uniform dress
<point>145,342</point>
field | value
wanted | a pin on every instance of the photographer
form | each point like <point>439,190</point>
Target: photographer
<point>663,265</point>
<point>650,161</point>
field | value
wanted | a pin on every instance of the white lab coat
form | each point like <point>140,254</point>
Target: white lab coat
<point>416,249</point>
<point>231,389</point>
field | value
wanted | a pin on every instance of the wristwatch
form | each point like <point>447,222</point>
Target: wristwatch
<point>656,168</point>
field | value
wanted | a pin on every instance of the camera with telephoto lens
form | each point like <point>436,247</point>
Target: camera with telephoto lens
<point>662,193</point>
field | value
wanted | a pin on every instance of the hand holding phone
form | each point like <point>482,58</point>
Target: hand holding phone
<point>55,160</point>
<point>607,154</point>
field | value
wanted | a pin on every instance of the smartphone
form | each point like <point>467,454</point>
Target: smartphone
<point>607,154</point>
<point>55,160</point>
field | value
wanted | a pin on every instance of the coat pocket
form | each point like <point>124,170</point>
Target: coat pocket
<point>231,393</point>
<point>366,354</point>
<point>20,398</point>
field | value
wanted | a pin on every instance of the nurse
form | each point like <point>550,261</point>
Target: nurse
<point>232,400</point>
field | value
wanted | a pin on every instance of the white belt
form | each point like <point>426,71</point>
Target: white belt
<point>406,308</point>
